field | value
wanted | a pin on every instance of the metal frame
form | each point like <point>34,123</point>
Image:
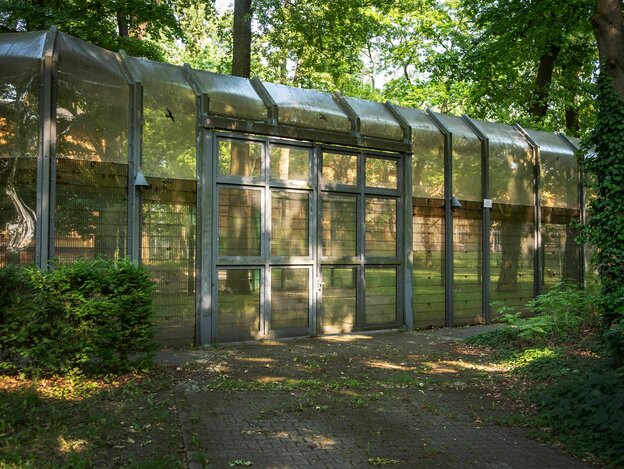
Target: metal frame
<point>135,152</point>
<point>449,284</point>
<point>582,215</point>
<point>46,158</point>
<point>485,218</point>
<point>537,229</point>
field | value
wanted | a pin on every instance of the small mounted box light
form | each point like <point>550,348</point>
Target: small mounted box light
<point>455,203</point>
<point>139,180</point>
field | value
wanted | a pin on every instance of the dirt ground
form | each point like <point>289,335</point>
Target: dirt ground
<point>401,399</point>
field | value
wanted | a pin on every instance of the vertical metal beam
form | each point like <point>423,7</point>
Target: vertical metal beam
<point>135,139</point>
<point>538,261</point>
<point>205,220</point>
<point>581,194</point>
<point>449,284</point>
<point>47,149</point>
<point>203,223</point>
<point>267,99</point>
<point>315,241</point>
<point>407,246</point>
<point>485,219</point>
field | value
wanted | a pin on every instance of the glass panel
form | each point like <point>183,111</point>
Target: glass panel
<point>238,305</point>
<point>19,144</point>
<point>239,158</point>
<point>289,223</point>
<point>428,273</point>
<point>231,96</point>
<point>339,168</point>
<point>290,298</point>
<point>380,299</point>
<point>308,108</point>
<point>339,299</point>
<point>91,210</point>
<point>92,153</point>
<point>381,172</point>
<point>512,254</point>
<point>239,222</point>
<point>467,265</point>
<point>466,158</point>
<point>339,225</point>
<point>375,119</point>
<point>559,171</point>
<point>381,223</point>
<point>169,128</point>
<point>168,252</point>
<point>288,163</point>
<point>428,158</point>
<point>560,253</point>
<point>511,164</point>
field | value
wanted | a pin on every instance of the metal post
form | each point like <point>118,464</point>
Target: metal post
<point>267,99</point>
<point>537,265</point>
<point>407,247</point>
<point>582,216</point>
<point>486,224</point>
<point>135,139</point>
<point>353,117</point>
<point>448,219</point>
<point>44,245</point>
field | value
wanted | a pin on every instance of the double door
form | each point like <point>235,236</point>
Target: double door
<point>306,239</point>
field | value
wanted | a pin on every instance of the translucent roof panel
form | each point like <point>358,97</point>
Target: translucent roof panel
<point>375,120</point>
<point>466,158</point>
<point>92,104</point>
<point>559,171</point>
<point>169,129</point>
<point>88,62</point>
<point>308,108</point>
<point>231,96</point>
<point>512,178</point>
<point>428,158</point>
<point>22,45</point>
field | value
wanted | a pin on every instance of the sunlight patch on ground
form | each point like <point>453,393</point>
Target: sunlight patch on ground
<point>256,359</point>
<point>455,366</point>
<point>345,338</point>
<point>66,445</point>
<point>385,365</point>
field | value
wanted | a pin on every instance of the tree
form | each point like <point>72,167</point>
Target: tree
<point>605,224</point>
<point>241,37</point>
<point>138,26</point>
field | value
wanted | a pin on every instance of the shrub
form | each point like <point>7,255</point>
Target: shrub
<point>93,315</point>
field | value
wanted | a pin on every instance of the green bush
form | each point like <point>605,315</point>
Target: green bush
<point>91,315</point>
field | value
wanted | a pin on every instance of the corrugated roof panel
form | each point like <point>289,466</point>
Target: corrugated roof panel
<point>375,120</point>
<point>231,96</point>
<point>308,108</point>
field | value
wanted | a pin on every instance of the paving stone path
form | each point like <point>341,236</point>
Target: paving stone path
<point>413,400</point>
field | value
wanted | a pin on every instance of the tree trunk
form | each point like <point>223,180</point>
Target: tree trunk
<point>539,105</point>
<point>122,24</point>
<point>241,50</point>
<point>609,30</point>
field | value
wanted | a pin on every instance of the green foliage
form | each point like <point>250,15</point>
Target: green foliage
<point>94,316</point>
<point>586,410</point>
<point>605,225</point>
<point>562,313</point>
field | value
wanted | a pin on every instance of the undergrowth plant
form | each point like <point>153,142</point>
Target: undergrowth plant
<point>91,315</point>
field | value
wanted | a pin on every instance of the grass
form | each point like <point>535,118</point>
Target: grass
<point>78,422</point>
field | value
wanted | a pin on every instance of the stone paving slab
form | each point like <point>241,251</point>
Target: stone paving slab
<point>224,427</point>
